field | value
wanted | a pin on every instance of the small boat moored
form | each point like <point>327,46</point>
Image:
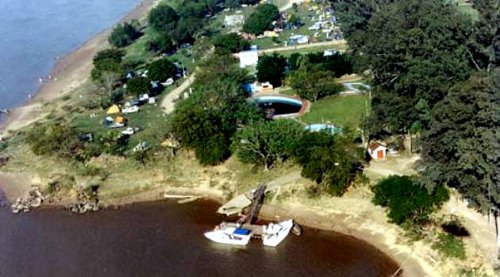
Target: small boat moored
<point>226,234</point>
<point>274,233</point>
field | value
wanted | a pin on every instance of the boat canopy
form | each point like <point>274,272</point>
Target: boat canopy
<point>240,231</point>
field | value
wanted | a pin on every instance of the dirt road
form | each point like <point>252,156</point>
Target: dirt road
<point>168,103</point>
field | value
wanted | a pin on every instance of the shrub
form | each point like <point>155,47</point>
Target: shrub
<point>161,70</point>
<point>407,200</point>
<point>231,42</point>
<point>51,138</point>
<point>138,85</point>
<point>162,43</point>
<point>261,20</point>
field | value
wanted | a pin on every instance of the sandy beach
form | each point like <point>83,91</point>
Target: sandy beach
<point>70,72</point>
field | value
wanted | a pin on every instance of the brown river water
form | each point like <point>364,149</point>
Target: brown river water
<point>166,239</point>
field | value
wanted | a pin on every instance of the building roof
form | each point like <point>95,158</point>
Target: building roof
<point>374,145</point>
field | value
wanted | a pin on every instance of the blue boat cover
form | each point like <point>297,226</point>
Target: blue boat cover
<point>240,231</point>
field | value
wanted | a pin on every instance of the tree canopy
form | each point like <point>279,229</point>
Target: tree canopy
<point>271,69</point>
<point>311,82</point>
<point>408,202</point>
<point>329,160</point>
<point>266,142</point>
<point>231,42</point>
<point>161,70</point>
<point>138,85</point>
<point>461,146</point>
<point>163,18</point>
<point>261,20</point>
<point>416,50</point>
<point>124,34</point>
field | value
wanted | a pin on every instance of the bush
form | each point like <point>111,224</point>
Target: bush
<point>123,35</point>
<point>408,201</point>
<point>450,246</point>
<point>138,85</point>
<point>51,138</point>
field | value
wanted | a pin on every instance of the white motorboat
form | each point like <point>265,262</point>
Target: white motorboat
<point>274,233</point>
<point>229,235</point>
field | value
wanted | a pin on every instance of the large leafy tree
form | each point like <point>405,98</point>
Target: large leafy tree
<point>408,201</point>
<point>138,85</point>
<point>311,82</point>
<point>461,148</point>
<point>416,51</point>
<point>124,34</point>
<point>161,70</point>
<point>208,119</point>
<point>271,69</point>
<point>266,142</point>
<point>231,42</point>
<point>163,18</point>
<point>486,45</point>
<point>329,160</point>
<point>261,20</point>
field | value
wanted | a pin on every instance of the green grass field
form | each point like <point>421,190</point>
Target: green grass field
<point>344,111</point>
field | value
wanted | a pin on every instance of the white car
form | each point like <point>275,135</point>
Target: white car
<point>131,109</point>
<point>130,131</point>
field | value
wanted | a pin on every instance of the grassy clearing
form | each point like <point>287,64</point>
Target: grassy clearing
<point>345,111</point>
<point>450,246</point>
<point>467,9</point>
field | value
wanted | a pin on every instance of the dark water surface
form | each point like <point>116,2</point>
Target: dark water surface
<point>166,239</point>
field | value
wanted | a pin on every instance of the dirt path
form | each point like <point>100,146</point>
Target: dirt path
<point>302,46</point>
<point>168,103</point>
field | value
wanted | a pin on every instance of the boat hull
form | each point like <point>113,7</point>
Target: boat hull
<point>276,233</point>
<point>220,236</point>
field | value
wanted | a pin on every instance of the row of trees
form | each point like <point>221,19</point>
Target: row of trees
<point>124,34</point>
<point>311,75</point>
<point>173,27</point>
<point>435,72</point>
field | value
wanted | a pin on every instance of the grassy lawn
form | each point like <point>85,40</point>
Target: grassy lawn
<point>345,111</point>
<point>468,10</point>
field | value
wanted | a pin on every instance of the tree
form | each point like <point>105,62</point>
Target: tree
<point>231,42</point>
<point>313,83</point>
<point>294,19</point>
<point>107,67</point>
<point>486,45</point>
<point>53,138</point>
<point>329,160</point>
<point>461,147</point>
<point>161,42</point>
<point>208,119</point>
<point>266,142</point>
<point>123,35</point>
<point>192,9</point>
<point>163,18</point>
<point>186,29</point>
<point>407,201</point>
<point>271,69</point>
<point>161,70</point>
<point>416,51</point>
<point>261,20</point>
<point>138,85</point>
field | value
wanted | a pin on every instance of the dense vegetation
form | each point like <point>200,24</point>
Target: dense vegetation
<point>435,72</point>
<point>261,20</point>
<point>124,34</point>
<point>408,201</point>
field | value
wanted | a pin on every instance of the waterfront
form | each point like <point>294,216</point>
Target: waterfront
<point>166,239</point>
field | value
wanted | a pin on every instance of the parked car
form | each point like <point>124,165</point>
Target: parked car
<point>131,109</point>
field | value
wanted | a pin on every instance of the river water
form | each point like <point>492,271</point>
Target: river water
<point>34,32</point>
<point>166,239</point>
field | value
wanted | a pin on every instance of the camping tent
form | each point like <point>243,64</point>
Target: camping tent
<point>120,119</point>
<point>114,109</point>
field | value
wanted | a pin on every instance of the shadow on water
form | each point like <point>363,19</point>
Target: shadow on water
<point>166,239</point>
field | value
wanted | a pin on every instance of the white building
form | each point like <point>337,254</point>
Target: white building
<point>248,58</point>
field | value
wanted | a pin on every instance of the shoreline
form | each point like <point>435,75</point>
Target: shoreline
<point>70,71</point>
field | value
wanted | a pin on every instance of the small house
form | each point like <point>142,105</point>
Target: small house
<point>377,151</point>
